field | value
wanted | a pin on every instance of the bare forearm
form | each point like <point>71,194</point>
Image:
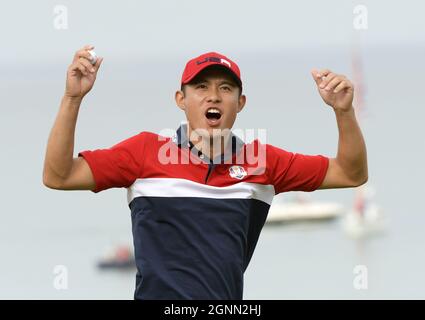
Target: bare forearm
<point>60,146</point>
<point>352,155</point>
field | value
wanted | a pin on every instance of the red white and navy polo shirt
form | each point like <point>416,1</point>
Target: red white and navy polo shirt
<point>196,223</point>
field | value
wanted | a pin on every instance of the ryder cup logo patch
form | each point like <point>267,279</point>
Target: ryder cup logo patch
<point>237,172</point>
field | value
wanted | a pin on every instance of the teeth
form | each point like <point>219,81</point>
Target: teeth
<point>213,110</point>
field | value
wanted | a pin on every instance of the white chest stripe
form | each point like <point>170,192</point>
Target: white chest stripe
<point>165,187</point>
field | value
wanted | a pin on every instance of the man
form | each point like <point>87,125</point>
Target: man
<point>199,199</point>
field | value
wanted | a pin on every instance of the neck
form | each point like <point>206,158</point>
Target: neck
<point>212,147</point>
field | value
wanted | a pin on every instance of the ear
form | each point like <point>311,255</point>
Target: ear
<point>179,97</point>
<point>242,101</point>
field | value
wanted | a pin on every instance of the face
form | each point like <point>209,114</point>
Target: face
<point>211,102</point>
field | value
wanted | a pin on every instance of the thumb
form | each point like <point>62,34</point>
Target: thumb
<point>316,76</point>
<point>97,64</point>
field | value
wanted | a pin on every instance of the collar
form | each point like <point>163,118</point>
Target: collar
<point>182,140</point>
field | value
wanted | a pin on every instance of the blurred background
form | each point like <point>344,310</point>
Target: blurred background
<point>46,234</point>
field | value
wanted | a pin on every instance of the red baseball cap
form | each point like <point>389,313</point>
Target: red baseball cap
<point>196,65</point>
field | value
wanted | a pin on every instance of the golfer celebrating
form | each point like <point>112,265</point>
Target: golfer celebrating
<point>199,199</point>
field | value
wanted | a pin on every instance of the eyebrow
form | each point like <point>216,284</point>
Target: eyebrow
<point>228,82</point>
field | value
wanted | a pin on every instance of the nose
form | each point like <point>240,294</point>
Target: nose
<point>214,95</point>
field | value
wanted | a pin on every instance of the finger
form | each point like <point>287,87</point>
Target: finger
<point>316,76</point>
<point>80,67</point>
<point>83,69</point>
<point>88,47</point>
<point>82,53</point>
<point>327,79</point>
<point>333,83</point>
<point>97,64</point>
<point>343,85</point>
<point>73,67</point>
<point>324,72</point>
<point>87,64</point>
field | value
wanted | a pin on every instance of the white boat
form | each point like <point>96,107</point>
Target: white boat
<point>119,257</point>
<point>365,218</point>
<point>302,209</point>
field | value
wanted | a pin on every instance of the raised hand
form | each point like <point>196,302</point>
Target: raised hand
<point>81,74</point>
<point>335,89</point>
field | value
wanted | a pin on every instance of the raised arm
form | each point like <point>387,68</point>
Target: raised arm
<point>61,170</point>
<point>349,168</point>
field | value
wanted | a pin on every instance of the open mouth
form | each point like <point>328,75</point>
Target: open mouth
<point>213,114</point>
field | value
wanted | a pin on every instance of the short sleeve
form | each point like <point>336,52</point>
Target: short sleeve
<point>290,171</point>
<point>118,166</point>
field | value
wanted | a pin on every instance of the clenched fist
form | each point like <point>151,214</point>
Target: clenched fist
<point>81,73</point>
<point>335,89</point>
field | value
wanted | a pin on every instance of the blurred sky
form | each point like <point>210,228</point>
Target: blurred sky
<point>186,27</point>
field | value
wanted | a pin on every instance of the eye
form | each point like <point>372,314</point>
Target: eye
<point>226,88</point>
<point>201,86</point>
